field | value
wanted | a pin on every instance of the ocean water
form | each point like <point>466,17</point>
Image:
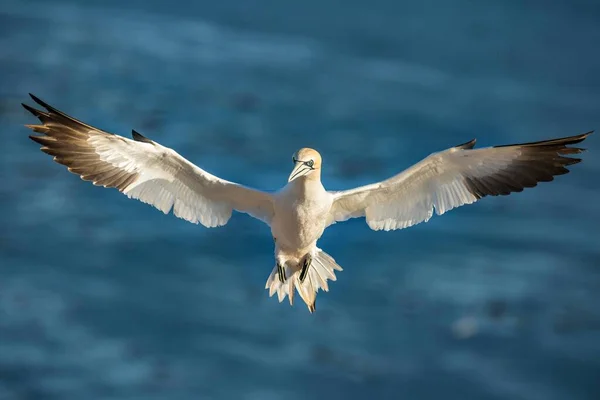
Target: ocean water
<point>102,297</point>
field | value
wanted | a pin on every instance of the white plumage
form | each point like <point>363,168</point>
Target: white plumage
<point>299,213</point>
<point>437,182</point>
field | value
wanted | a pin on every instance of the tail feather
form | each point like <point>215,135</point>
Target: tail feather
<point>291,290</point>
<point>322,268</point>
<point>321,275</point>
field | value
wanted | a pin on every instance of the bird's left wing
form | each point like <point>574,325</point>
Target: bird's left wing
<point>451,178</point>
<point>143,169</point>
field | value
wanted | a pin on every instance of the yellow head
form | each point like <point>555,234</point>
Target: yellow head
<point>307,162</point>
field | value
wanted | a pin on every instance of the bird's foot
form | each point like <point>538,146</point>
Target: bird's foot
<point>305,266</point>
<point>281,272</point>
<point>312,307</point>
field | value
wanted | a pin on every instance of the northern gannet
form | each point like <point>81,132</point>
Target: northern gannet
<point>299,212</point>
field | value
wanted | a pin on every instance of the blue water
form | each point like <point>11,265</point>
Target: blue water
<point>102,297</point>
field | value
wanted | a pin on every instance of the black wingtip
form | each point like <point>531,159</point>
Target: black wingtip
<point>579,138</point>
<point>138,137</point>
<point>28,108</point>
<point>37,100</point>
<point>468,145</point>
<point>38,139</point>
<point>35,112</point>
<point>563,141</point>
<point>42,103</point>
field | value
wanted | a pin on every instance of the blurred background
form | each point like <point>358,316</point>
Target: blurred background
<point>102,297</point>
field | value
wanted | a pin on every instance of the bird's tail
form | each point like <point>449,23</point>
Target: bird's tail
<point>322,269</point>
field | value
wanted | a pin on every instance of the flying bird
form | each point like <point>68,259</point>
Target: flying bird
<point>300,211</point>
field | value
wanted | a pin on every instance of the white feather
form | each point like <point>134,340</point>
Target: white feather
<point>436,183</point>
<point>322,268</point>
<point>168,182</point>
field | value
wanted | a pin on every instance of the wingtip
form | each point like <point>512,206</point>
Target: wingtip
<point>579,138</point>
<point>35,98</point>
<point>562,142</point>
<point>37,113</point>
<point>138,137</point>
<point>44,104</point>
<point>584,136</point>
<point>38,139</point>
<point>38,101</point>
<point>467,145</point>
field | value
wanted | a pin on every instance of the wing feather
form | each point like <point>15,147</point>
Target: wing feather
<point>143,169</point>
<point>454,177</point>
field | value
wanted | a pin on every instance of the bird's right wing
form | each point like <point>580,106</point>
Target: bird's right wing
<point>143,169</point>
<point>451,178</point>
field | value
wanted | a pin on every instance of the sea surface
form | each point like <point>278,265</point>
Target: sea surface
<point>102,297</point>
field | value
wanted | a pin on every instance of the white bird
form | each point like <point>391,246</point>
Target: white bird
<point>299,212</point>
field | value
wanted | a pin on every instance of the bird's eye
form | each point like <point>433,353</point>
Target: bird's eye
<point>310,163</point>
<point>294,159</point>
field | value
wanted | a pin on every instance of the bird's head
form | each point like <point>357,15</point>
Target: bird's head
<point>307,162</point>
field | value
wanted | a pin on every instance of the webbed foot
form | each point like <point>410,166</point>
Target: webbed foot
<point>305,266</point>
<point>281,273</point>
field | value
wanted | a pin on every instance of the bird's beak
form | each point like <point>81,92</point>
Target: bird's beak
<point>299,170</point>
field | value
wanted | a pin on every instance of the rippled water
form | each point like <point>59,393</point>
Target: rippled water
<point>103,297</point>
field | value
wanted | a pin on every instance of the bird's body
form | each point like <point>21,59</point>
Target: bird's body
<point>301,209</point>
<point>300,212</point>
